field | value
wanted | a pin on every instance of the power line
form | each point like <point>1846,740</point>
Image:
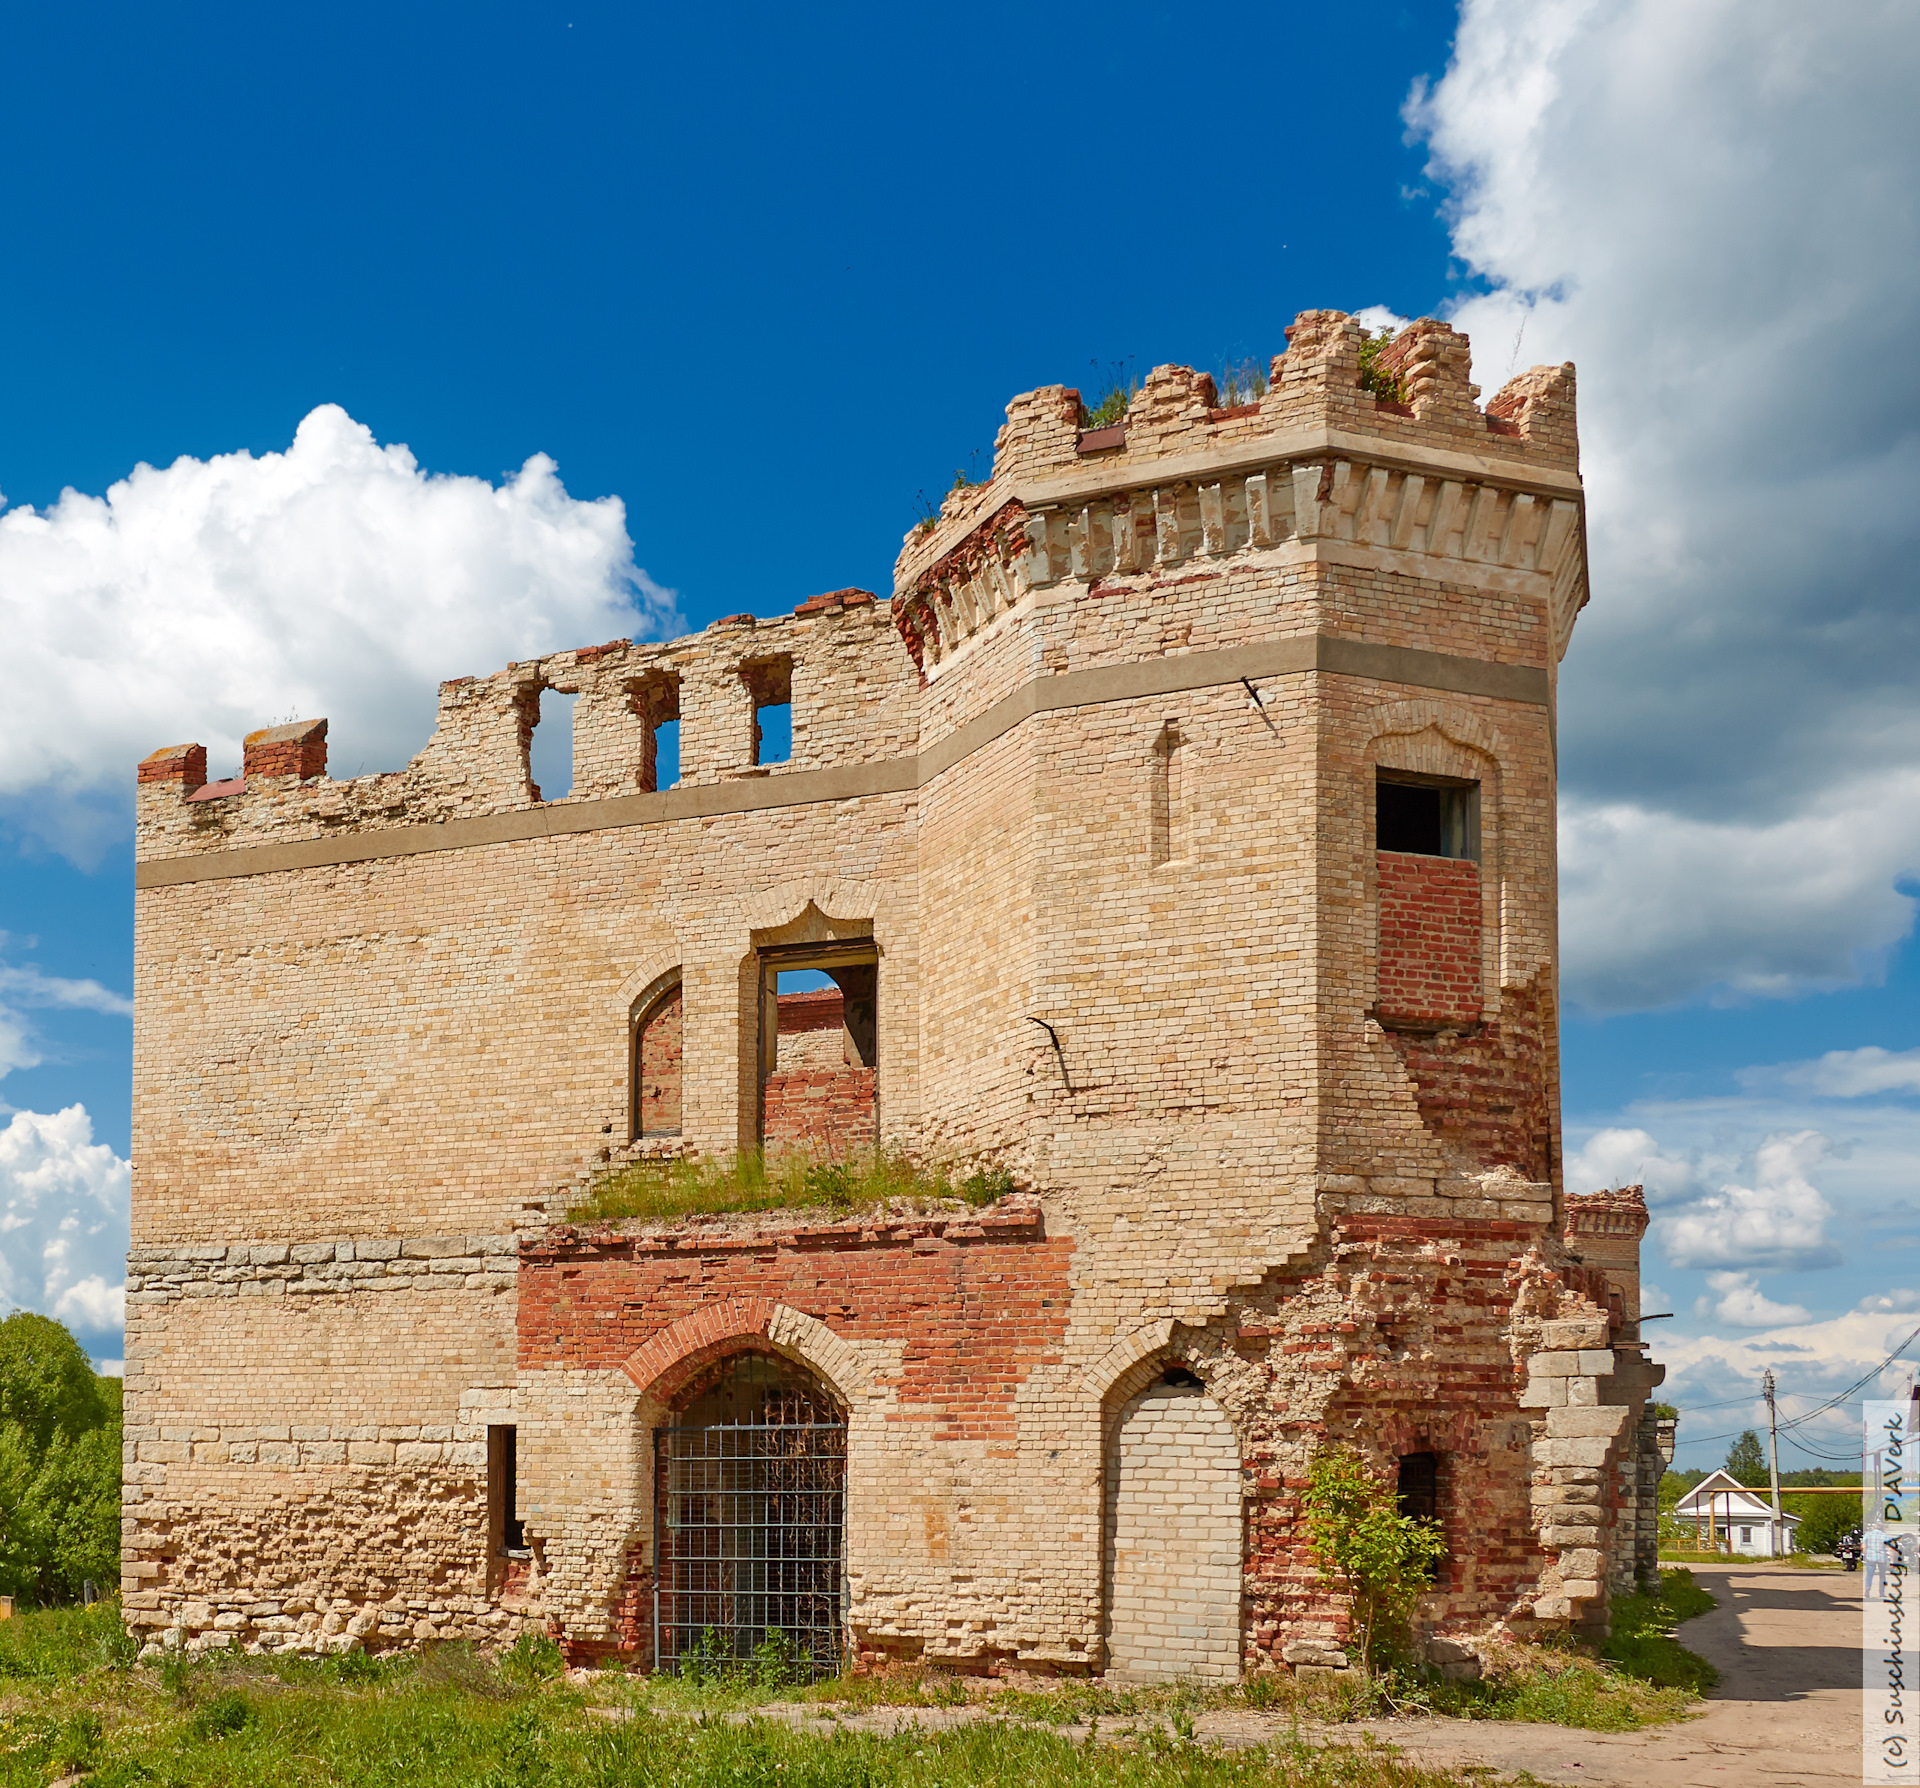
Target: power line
<point>1832,1402</point>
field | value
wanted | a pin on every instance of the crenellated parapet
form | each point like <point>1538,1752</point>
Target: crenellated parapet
<point>1431,486</point>
<point>834,660</point>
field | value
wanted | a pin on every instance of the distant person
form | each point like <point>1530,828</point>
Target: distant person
<point>1873,1553</point>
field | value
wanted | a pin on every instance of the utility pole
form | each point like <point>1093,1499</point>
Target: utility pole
<point>1773,1436</point>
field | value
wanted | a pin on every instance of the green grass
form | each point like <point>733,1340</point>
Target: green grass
<point>1793,1561</point>
<point>72,1699</point>
<point>453,1716</point>
<point>655,1190</point>
<point>1642,1675</point>
<point>58,1644</point>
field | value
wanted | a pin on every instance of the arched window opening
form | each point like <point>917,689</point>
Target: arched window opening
<point>751,1483</point>
<point>656,1067</point>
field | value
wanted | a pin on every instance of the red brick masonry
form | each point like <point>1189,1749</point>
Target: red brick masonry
<point>977,1301</point>
<point>1429,939</point>
<point>296,750</point>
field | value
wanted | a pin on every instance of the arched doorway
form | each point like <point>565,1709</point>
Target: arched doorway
<point>1173,1535</point>
<point>750,1480</point>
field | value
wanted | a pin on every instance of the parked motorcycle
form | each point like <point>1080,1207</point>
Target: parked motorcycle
<point>1847,1550</point>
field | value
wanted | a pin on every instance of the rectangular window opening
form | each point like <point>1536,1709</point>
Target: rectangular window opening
<point>666,754</point>
<point>1427,816</point>
<point>819,1051</point>
<point>506,1535</point>
<point>550,749</point>
<point>770,682</point>
<point>656,699</point>
<point>1419,1496</point>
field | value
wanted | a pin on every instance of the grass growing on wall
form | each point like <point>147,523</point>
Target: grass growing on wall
<point>656,1190</point>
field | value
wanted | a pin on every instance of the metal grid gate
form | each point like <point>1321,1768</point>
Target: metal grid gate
<point>751,1516</point>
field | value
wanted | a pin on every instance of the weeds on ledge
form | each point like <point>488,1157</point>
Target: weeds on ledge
<point>654,1190</point>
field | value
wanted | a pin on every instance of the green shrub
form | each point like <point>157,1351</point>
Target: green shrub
<point>533,1657</point>
<point>225,1714</point>
<point>1374,378</point>
<point>1364,1545</point>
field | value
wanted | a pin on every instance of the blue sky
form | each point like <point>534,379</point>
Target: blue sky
<point>756,282</point>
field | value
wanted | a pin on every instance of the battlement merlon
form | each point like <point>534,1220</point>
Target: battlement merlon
<point>835,658</point>
<point>1447,490</point>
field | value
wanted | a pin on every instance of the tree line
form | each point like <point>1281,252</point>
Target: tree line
<point>59,1465</point>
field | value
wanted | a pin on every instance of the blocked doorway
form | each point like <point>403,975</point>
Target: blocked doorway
<point>1173,1535</point>
<point>750,1486</point>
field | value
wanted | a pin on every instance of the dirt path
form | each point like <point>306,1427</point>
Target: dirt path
<point>1786,1714</point>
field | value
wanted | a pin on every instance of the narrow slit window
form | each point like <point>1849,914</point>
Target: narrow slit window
<point>1419,1498</point>
<point>506,1533</point>
<point>666,754</point>
<point>550,746</point>
<point>1427,816</point>
<point>656,1067</point>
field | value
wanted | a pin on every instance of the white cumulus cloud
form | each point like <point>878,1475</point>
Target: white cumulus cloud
<point>1736,1298</point>
<point>200,600</point>
<point>1779,1221</point>
<point>1610,1159</point>
<point>1715,1379</point>
<point>63,1221</point>
<point>1847,1073</point>
<point>1711,209</point>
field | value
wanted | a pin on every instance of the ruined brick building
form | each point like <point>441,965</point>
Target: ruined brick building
<point>1179,839</point>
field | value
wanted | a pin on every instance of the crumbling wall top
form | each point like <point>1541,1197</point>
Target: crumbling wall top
<point>1314,389</point>
<point>835,661</point>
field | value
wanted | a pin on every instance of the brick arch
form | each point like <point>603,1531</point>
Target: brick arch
<point>649,977</point>
<point>1460,726</point>
<point>660,1366</point>
<point>1125,1357</point>
<point>1137,1359</point>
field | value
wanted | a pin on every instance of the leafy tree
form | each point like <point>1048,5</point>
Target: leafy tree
<point>46,1380</point>
<point>1746,1463</point>
<point>76,1497</point>
<point>59,1464</point>
<point>1365,1546</point>
<point>1825,1520</point>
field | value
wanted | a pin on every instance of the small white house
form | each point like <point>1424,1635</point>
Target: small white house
<point>1723,1511</point>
